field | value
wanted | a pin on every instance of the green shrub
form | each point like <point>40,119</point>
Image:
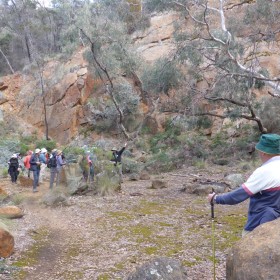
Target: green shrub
<point>159,162</point>
<point>218,141</point>
<point>24,148</point>
<point>48,144</point>
<point>163,140</point>
<point>161,77</point>
<point>27,140</point>
<point>130,165</point>
<point>5,172</point>
<point>17,199</point>
<point>200,164</point>
<point>142,143</point>
<point>198,146</point>
<point>2,198</point>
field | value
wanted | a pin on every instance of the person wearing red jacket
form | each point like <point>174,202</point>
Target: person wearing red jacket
<point>26,162</point>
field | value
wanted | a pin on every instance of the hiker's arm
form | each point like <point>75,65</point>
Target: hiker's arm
<point>32,161</point>
<point>121,150</point>
<point>233,197</point>
<point>60,161</point>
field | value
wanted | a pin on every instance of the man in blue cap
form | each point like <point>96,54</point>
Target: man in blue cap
<point>262,187</point>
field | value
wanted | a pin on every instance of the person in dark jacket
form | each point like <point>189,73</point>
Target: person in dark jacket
<point>13,168</point>
<point>117,159</point>
<point>35,168</point>
<point>262,187</point>
<point>53,167</point>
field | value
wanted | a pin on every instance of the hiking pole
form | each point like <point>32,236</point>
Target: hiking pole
<point>213,235</point>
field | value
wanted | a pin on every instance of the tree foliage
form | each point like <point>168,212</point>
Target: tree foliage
<point>224,55</point>
<point>217,57</point>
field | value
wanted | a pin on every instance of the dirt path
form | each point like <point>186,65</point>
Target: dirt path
<point>105,238</point>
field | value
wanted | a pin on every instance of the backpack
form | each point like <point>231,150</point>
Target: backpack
<point>52,162</point>
<point>14,162</point>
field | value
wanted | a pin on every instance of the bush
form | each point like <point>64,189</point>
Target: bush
<point>163,140</point>
<point>48,144</point>
<point>131,166</point>
<point>161,77</point>
<point>5,172</point>
<point>159,162</point>
<point>198,146</point>
<point>72,153</point>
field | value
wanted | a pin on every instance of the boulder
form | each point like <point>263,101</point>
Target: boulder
<point>144,175</point>
<point>6,242</point>
<point>11,212</point>
<point>78,186</point>
<point>82,71</point>
<point>133,177</point>
<point>55,197</point>
<point>160,268</point>
<point>107,182</point>
<point>158,184</point>
<point>235,180</point>
<point>257,255</point>
<point>204,189</point>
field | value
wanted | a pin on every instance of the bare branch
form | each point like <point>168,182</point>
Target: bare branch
<point>273,94</point>
<point>189,13</point>
<point>109,84</point>
<point>210,114</point>
<point>231,6</point>
<point>7,61</point>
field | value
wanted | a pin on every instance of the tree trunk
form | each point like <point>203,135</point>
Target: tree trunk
<point>7,61</point>
<point>44,103</point>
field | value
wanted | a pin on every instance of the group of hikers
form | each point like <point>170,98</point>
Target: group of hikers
<point>262,187</point>
<point>37,161</point>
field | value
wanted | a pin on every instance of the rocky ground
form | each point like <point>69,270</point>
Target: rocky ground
<point>108,237</point>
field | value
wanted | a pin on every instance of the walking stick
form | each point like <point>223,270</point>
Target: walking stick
<point>213,236</point>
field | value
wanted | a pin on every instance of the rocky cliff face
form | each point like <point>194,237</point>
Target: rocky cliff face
<point>67,89</point>
<point>70,86</point>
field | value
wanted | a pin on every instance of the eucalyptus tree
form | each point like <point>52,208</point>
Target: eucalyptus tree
<point>222,44</point>
<point>5,39</point>
<point>28,20</point>
<point>101,26</point>
<point>30,29</point>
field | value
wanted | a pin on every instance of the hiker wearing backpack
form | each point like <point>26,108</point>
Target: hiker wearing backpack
<point>35,168</point>
<point>52,164</point>
<point>13,168</point>
<point>43,160</point>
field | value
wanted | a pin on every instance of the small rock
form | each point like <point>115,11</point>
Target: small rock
<point>158,184</point>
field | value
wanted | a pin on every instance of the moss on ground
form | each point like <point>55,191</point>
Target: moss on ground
<point>30,257</point>
<point>148,208</point>
<point>104,277</point>
<point>122,216</point>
